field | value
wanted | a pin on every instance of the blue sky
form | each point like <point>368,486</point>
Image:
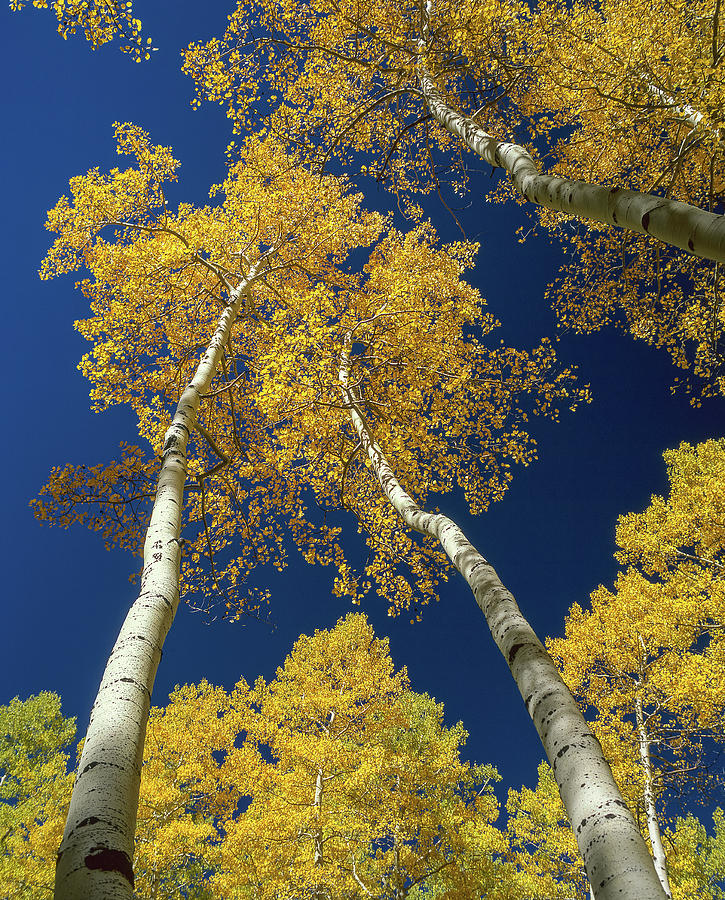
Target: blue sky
<point>551,539</point>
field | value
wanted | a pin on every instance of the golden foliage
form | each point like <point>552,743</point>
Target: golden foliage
<point>275,455</point>
<point>542,845</point>
<point>332,777</point>
<point>619,93</point>
<point>101,21</point>
<point>647,658</point>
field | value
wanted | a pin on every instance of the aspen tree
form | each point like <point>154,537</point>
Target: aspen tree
<point>229,803</point>
<point>372,78</point>
<point>647,657</point>
<point>356,788</point>
<point>208,259</point>
<point>283,386</point>
<point>400,349</point>
<point>284,398</point>
<point>405,327</point>
<point>614,855</point>
<point>541,845</point>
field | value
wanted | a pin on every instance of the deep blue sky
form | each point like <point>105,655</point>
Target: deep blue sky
<point>551,539</point>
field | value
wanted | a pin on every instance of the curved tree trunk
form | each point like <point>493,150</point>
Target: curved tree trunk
<point>615,856</point>
<point>95,857</point>
<point>688,227</point>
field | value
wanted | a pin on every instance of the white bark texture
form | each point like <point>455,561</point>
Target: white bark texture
<point>317,804</point>
<point>692,229</point>
<point>614,854</point>
<point>95,857</point>
<point>684,110</point>
<point>653,825</point>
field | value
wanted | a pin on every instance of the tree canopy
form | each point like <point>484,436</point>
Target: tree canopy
<point>324,365</point>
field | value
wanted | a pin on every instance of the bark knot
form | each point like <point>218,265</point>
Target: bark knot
<point>512,653</point>
<point>110,861</point>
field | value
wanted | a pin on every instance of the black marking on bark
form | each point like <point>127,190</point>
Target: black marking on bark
<point>565,749</point>
<point>645,221</point>
<point>138,684</point>
<point>512,653</point>
<point>98,762</point>
<point>614,217</point>
<point>611,816</point>
<point>91,820</point>
<point>614,190</point>
<point>110,861</point>
<point>162,598</point>
<point>537,705</point>
<point>690,244</point>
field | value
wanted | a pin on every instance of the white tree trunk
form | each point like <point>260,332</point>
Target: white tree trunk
<point>699,232</point>
<point>615,856</point>
<point>317,803</point>
<point>95,857</point>
<point>684,110</point>
<point>319,892</point>
<point>653,825</point>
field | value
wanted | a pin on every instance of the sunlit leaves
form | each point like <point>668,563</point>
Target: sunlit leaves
<point>275,455</point>
<point>332,776</point>
<point>355,784</point>
<point>647,658</point>
<point>34,792</point>
<point>101,21</point>
<point>542,846</point>
<point>618,93</point>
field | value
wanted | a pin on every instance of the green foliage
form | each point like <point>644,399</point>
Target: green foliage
<point>542,845</point>
<point>34,792</point>
<point>697,858</point>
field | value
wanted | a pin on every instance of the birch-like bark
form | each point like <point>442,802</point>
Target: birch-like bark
<point>684,110</point>
<point>615,856</point>
<point>317,803</point>
<point>653,825</point>
<point>95,860</point>
<point>319,892</point>
<point>688,227</point>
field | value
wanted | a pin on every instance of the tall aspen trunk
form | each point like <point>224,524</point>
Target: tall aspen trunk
<point>318,858</point>
<point>699,232</point>
<point>653,825</point>
<point>615,856</point>
<point>319,893</point>
<point>95,857</point>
